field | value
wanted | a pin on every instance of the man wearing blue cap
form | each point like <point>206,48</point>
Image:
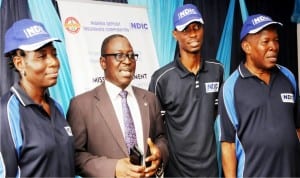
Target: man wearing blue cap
<point>188,90</point>
<point>36,140</point>
<point>259,108</point>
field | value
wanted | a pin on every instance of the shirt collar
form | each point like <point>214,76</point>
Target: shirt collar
<point>183,71</point>
<point>23,96</point>
<point>113,90</point>
<point>245,73</point>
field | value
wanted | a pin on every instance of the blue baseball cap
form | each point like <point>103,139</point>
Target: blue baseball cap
<point>185,15</point>
<point>27,35</point>
<point>256,23</point>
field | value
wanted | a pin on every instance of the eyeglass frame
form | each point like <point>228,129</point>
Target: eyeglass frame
<point>120,57</point>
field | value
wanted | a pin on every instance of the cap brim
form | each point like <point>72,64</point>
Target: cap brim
<point>35,46</point>
<point>183,26</point>
<point>263,26</point>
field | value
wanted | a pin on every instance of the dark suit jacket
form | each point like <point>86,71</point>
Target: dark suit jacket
<point>99,141</point>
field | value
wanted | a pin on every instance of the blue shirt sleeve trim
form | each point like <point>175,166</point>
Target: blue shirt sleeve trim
<point>14,123</point>
<point>291,77</point>
<point>228,97</point>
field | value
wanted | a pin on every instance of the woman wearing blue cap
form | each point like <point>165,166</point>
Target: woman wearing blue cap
<point>259,108</point>
<point>36,140</point>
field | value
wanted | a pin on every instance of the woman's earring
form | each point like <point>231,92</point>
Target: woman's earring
<point>24,73</point>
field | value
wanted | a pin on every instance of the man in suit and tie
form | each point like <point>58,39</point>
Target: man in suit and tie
<point>105,128</point>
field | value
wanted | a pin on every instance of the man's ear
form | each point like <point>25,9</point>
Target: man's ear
<point>174,34</point>
<point>246,46</point>
<point>103,62</point>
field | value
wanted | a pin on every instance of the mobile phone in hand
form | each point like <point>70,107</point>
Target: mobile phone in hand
<point>136,156</point>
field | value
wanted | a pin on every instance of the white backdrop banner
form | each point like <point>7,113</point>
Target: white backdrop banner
<point>86,23</point>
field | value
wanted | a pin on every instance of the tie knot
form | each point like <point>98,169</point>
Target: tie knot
<point>123,94</point>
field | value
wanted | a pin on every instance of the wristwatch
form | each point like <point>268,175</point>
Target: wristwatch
<point>160,170</point>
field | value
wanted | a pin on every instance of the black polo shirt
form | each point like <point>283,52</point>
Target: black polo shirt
<point>190,105</point>
<point>34,144</point>
<point>261,119</point>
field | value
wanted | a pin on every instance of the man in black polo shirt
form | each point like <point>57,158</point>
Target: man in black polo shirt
<point>188,91</point>
<point>259,109</point>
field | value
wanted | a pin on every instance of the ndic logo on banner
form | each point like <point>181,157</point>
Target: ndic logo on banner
<point>139,26</point>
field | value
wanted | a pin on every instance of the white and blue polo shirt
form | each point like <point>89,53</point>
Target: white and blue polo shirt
<point>33,143</point>
<point>261,120</point>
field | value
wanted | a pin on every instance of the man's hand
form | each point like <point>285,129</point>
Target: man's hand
<point>154,158</point>
<point>125,169</point>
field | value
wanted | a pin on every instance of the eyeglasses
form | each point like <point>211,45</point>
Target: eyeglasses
<point>121,56</point>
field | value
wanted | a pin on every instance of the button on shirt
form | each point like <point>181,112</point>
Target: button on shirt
<point>113,92</point>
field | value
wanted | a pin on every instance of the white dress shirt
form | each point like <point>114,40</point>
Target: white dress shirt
<point>113,92</point>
